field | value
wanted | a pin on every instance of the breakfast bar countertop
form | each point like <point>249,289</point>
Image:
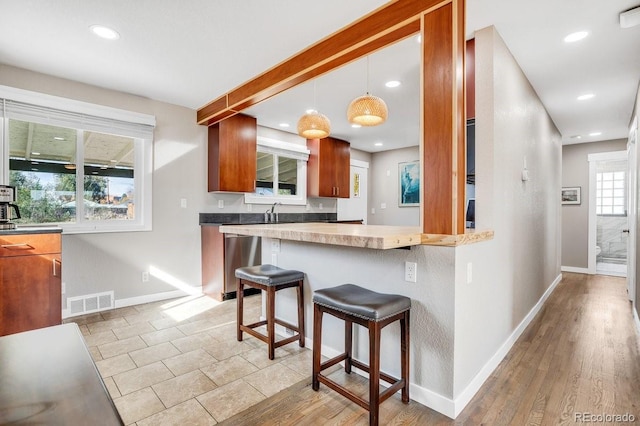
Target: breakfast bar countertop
<point>342,234</point>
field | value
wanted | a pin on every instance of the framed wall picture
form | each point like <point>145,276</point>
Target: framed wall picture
<point>571,195</point>
<point>409,184</point>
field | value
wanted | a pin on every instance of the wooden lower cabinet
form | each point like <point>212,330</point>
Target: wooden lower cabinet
<point>30,283</point>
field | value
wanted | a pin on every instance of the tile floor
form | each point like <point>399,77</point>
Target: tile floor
<point>178,361</point>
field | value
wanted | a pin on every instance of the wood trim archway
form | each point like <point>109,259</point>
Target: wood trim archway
<point>441,24</point>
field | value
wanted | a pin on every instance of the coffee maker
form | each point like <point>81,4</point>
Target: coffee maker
<point>7,198</point>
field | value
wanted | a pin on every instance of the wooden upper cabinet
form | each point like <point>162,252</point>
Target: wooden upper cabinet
<point>470,77</point>
<point>232,154</point>
<point>328,168</point>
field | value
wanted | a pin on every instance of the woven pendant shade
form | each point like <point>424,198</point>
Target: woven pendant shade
<point>367,110</point>
<point>314,125</point>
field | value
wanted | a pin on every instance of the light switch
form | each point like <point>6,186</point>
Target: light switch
<point>183,203</point>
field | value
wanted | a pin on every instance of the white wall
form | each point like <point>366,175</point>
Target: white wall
<point>510,273</point>
<point>383,181</point>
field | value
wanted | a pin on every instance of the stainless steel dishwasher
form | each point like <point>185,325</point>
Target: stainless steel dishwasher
<point>239,251</point>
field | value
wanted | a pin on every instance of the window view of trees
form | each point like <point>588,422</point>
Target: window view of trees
<point>43,169</point>
<point>50,198</point>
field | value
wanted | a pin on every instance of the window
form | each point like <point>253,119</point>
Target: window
<point>83,171</point>
<point>611,193</point>
<point>281,173</point>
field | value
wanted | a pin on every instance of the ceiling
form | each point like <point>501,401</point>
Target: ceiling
<point>189,53</point>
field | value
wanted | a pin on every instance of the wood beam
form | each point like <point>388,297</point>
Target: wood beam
<point>443,120</point>
<point>384,26</point>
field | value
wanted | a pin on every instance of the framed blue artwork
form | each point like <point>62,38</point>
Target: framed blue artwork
<point>409,184</point>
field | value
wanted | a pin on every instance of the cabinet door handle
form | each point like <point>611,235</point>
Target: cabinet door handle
<point>21,246</point>
<point>55,270</point>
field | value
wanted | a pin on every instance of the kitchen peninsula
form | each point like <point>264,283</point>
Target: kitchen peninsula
<point>374,256</point>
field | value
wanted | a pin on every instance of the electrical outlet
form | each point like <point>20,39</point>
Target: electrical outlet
<point>275,245</point>
<point>320,206</point>
<point>221,204</point>
<point>183,203</point>
<point>145,276</point>
<point>410,272</point>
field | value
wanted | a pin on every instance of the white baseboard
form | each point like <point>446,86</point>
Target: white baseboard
<point>148,298</point>
<point>574,269</point>
<point>472,388</point>
<point>138,300</point>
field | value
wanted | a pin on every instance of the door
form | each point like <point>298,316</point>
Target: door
<point>632,239</point>
<point>608,213</point>
<point>355,207</point>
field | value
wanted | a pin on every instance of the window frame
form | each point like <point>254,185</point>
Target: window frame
<point>289,150</point>
<point>600,197</point>
<point>102,116</point>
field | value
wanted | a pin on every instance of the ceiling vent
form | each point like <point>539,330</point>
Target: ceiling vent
<point>630,18</point>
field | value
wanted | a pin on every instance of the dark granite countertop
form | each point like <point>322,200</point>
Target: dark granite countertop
<point>258,218</point>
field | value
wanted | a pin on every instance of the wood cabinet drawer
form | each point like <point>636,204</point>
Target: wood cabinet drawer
<point>30,244</point>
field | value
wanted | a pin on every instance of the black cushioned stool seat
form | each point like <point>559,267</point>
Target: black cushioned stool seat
<point>372,310</point>
<point>270,279</point>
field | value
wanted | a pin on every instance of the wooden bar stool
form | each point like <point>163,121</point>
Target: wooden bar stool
<point>355,304</point>
<point>271,279</point>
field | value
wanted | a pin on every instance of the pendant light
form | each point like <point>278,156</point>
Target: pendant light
<point>367,110</point>
<point>314,125</point>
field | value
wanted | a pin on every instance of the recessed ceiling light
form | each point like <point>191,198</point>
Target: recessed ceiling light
<point>576,137</point>
<point>58,138</point>
<point>378,144</point>
<point>595,133</point>
<point>392,83</point>
<point>114,161</point>
<point>105,32</point>
<point>35,153</point>
<point>575,36</point>
<point>356,126</point>
<point>310,111</point>
<point>585,96</point>
<point>284,124</point>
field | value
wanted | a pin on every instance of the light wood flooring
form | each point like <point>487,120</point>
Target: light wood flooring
<point>178,362</point>
<point>581,354</point>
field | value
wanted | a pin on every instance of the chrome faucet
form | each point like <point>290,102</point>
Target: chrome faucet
<point>270,216</point>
